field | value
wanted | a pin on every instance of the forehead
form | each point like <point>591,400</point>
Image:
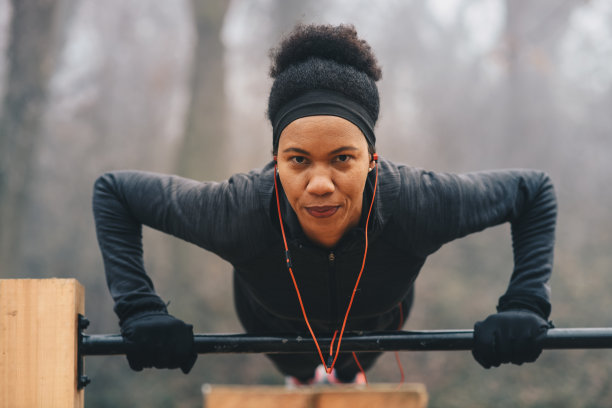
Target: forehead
<point>324,132</point>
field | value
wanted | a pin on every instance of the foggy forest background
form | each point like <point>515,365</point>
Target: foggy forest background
<point>181,87</point>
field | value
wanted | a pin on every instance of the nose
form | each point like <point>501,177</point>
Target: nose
<point>320,183</point>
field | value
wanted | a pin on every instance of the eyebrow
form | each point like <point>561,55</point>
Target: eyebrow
<point>335,151</point>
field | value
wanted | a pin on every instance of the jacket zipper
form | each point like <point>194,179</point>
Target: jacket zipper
<point>333,289</point>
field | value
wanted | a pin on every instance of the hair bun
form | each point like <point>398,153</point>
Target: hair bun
<point>337,43</point>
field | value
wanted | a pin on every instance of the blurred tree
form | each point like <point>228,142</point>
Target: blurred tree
<point>532,35</point>
<point>202,156</point>
<point>202,153</point>
<point>30,65</point>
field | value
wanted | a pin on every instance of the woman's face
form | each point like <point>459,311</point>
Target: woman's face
<point>323,163</point>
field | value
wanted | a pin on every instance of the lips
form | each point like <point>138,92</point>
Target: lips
<point>322,211</point>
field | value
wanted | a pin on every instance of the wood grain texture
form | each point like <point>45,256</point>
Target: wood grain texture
<point>38,342</point>
<point>377,395</point>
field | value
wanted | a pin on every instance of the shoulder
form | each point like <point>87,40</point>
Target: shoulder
<point>244,207</point>
<point>401,181</point>
<point>257,185</point>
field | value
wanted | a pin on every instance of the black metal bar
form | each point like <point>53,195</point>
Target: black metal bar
<point>441,340</point>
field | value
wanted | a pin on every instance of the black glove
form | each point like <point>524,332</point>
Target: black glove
<point>157,339</point>
<point>512,336</point>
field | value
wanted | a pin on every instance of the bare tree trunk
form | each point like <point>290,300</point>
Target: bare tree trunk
<point>202,155</point>
<point>30,54</point>
<point>533,32</point>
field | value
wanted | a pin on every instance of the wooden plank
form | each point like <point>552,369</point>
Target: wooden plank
<point>38,342</point>
<point>256,397</point>
<point>375,395</point>
<point>383,395</point>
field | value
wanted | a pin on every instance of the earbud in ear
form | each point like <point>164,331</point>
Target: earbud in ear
<point>374,159</point>
<point>274,157</point>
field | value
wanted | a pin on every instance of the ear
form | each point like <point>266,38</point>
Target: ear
<point>373,161</point>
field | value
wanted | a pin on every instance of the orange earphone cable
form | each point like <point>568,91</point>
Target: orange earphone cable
<point>365,253</point>
<point>331,346</point>
<point>290,268</point>
<point>360,367</point>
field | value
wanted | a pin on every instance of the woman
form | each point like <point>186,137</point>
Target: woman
<point>326,238</point>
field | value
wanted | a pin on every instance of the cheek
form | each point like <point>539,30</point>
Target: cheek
<point>292,185</point>
<point>353,184</point>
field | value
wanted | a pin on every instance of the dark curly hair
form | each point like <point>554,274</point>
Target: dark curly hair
<point>337,43</point>
<point>324,57</point>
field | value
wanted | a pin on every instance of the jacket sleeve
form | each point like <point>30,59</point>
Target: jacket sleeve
<point>207,214</point>
<point>443,207</point>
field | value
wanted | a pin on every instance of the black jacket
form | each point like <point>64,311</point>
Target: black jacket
<point>415,212</point>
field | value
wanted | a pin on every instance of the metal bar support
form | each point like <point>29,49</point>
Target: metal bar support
<point>431,340</point>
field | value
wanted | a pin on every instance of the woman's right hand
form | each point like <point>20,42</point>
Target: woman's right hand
<point>157,339</point>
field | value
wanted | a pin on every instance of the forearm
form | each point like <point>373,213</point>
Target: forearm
<point>533,238</point>
<point>120,239</point>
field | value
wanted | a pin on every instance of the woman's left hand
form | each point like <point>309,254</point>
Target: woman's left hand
<point>511,336</point>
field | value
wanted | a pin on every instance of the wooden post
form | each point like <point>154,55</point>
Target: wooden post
<point>346,396</point>
<point>38,342</point>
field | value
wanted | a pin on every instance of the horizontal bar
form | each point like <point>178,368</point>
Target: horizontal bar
<point>432,340</point>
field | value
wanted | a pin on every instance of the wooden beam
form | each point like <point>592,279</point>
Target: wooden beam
<point>346,396</point>
<point>38,342</point>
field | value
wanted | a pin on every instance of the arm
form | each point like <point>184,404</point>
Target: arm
<point>206,214</point>
<point>452,206</point>
<point>443,207</point>
<point>201,213</point>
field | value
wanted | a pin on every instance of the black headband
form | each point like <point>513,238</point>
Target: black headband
<point>323,102</point>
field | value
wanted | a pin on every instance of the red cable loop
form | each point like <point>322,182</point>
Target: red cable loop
<point>365,252</point>
<point>291,271</point>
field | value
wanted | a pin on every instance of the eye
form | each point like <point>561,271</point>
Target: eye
<point>298,159</point>
<point>343,158</point>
